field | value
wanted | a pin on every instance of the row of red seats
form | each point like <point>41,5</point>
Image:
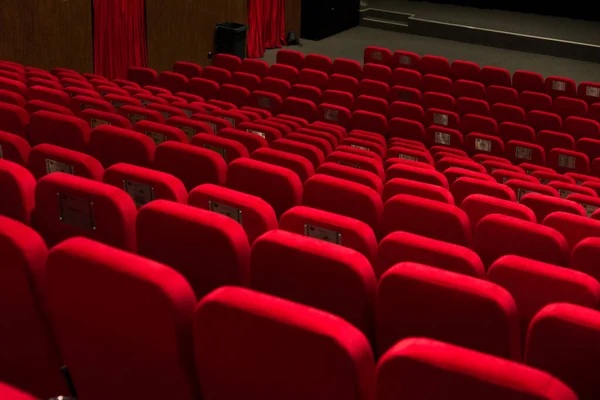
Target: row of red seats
<point>191,181</point>
<point>239,342</point>
<point>576,126</point>
<point>521,80</point>
<point>313,142</point>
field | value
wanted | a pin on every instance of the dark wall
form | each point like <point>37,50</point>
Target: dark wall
<point>293,12</point>
<point>183,30</point>
<point>47,33</point>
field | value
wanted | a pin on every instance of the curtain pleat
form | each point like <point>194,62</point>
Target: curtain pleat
<point>266,26</point>
<point>119,37</point>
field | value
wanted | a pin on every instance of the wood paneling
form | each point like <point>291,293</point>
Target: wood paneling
<point>183,30</point>
<point>63,34</point>
<point>293,16</point>
<point>16,30</point>
<point>47,33</point>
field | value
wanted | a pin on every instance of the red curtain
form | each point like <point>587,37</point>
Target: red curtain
<point>266,26</point>
<point>119,37</point>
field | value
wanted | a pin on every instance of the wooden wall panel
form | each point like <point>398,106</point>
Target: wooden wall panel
<point>293,16</point>
<point>47,33</point>
<point>16,30</point>
<point>183,30</point>
<point>63,34</point>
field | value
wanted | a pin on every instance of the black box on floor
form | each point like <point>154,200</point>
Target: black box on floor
<point>323,18</point>
<point>230,38</point>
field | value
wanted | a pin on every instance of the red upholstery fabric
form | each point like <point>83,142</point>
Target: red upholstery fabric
<point>243,322</point>
<point>18,186</point>
<point>47,158</point>
<point>352,174</point>
<point>230,62</point>
<point>399,247</point>
<point>501,94</point>
<point>104,213</point>
<point>342,66</point>
<point>534,284</point>
<point>498,235</point>
<point>526,80</point>
<point>518,152</point>
<point>227,148</point>
<point>111,145</point>
<point>508,113</point>
<point>191,164</point>
<point>11,393</point>
<point>165,324</point>
<point>95,118</point>
<point>254,214</point>
<point>142,76</point>
<point>13,119</point>
<point>145,185</point>
<point>377,55</point>
<point>414,300</point>
<point>563,161</point>
<point>434,65</point>
<point>188,69</point>
<point>345,198</point>
<point>397,186</point>
<point>307,258</point>
<point>14,148</point>
<point>30,358</point>
<point>466,105</point>
<point>562,341</point>
<point>50,95</point>
<point>425,217</point>
<point>465,186</point>
<point>350,232</point>
<point>574,228</point>
<point>278,186</point>
<point>177,234</point>
<point>422,369</point>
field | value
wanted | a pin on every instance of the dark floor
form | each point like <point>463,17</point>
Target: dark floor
<point>351,43</point>
<point>524,23</point>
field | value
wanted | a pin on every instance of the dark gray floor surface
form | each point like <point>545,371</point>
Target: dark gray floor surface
<point>351,44</point>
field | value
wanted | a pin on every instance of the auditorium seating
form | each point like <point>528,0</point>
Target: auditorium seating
<point>563,341</point>
<point>414,300</point>
<point>407,159</point>
<point>148,299</point>
<point>409,369</point>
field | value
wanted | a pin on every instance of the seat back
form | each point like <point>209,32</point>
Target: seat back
<point>415,300</point>
<point>82,269</point>
<point>278,186</point>
<point>18,186</point>
<point>563,341</point>
<point>178,235</point>
<point>191,164</point>
<point>344,270</point>
<point>427,218</point>
<point>69,206</point>
<point>497,235</point>
<point>343,197</point>
<point>145,185</point>
<point>243,322</point>
<point>30,357</point>
<point>45,159</point>
<point>534,284</point>
<point>398,247</point>
<point>449,370</point>
<point>111,145</point>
